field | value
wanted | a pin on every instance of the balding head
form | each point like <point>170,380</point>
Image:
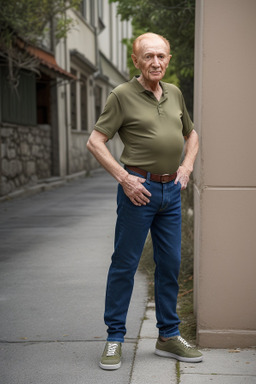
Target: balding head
<point>148,36</point>
<point>151,56</point>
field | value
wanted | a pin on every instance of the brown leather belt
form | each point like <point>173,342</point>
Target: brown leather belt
<point>166,178</point>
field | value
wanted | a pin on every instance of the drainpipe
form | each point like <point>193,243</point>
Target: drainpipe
<point>66,106</point>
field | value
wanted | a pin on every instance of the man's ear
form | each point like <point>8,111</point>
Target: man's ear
<point>135,61</point>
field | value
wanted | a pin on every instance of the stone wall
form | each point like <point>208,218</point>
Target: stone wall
<point>25,156</point>
<point>78,152</point>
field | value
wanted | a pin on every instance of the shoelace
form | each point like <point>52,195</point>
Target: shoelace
<point>184,342</point>
<point>112,349</point>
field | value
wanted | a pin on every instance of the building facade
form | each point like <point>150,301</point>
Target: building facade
<point>44,126</point>
<point>94,53</point>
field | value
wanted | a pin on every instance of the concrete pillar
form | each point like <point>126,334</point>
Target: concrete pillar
<point>225,173</point>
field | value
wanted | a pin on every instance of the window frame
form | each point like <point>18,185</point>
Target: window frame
<point>81,86</point>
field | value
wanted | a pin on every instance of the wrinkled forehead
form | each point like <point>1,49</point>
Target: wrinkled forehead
<point>152,44</point>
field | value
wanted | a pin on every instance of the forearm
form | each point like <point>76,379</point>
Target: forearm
<point>97,146</point>
<point>191,150</point>
<point>187,165</point>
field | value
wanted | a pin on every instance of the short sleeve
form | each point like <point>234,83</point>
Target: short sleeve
<point>111,118</point>
<point>188,125</point>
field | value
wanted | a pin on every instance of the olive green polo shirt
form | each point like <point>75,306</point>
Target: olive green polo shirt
<point>152,131</point>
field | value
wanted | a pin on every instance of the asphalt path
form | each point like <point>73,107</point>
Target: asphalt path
<point>55,250</point>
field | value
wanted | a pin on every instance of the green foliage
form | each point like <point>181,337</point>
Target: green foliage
<point>30,20</point>
<point>175,20</point>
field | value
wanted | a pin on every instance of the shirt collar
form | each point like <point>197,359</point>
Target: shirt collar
<point>141,89</point>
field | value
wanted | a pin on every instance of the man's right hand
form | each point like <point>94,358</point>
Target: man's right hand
<point>132,185</point>
<point>134,189</point>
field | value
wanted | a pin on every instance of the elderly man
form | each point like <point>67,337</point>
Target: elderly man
<point>151,118</point>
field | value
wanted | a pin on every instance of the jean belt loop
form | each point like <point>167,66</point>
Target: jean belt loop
<point>148,177</point>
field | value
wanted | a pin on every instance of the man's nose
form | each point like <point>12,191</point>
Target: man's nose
<point>155,61</point>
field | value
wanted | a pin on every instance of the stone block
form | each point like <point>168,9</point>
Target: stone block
<point>12,185</point>
<point>34,178</point>
<point>30,168</point>
<point>14,168</point>
<point>24,149</point>
<point>5,187</point>
<point>16,182</point>
<point>35,151</point>
<point>15,135</point>
<point>6,132</point>
<point>24,129</point>
<point>5,167</point>
<point>23,179</point>
<point>3,150</point>
<point>19,166</point>
<point>30,138</point>
<point>11,153</point>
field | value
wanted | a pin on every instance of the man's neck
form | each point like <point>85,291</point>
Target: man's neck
<point>153,87</point>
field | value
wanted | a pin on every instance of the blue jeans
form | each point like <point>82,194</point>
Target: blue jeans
<point>162,216</point>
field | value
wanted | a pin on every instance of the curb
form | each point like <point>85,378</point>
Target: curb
<point>47,184</point>
<point>148,367</point>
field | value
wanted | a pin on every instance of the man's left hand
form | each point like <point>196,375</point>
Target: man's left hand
<point>183,174</point>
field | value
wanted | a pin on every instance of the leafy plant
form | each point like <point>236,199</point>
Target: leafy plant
<point>30,21</point>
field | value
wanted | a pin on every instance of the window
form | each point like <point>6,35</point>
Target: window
<point>100,9</point>
<point>73,101</point>
<point>98,105</point>
<point>111,31</point>
<point>92,12</point>
<point>18,105</point>
<point>87,9</point>
<point>43,98</point>
<point>83,9</point>
<point>83,103</point>
<point>79,102</point>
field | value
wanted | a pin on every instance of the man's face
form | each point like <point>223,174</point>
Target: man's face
<point>152,58</point>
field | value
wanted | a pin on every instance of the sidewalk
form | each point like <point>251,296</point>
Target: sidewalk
<point>220,366</point>
<point>55,250</point>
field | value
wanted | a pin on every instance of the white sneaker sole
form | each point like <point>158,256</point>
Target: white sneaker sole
<point>109,367</point>
<point>177,357</point>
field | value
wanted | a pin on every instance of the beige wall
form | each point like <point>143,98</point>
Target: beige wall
<point>225,174</point>
<point>82,37</point>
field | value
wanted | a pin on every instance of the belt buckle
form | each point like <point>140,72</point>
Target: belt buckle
<point>163,178</point>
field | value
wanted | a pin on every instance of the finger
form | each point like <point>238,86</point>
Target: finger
<point>142,200</point>
<point>177,179</point>
<point>144,189</point>
<point>135,202</point>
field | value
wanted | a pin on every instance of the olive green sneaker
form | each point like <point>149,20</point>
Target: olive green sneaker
<point>178,348</point>
<point>111,357</point>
